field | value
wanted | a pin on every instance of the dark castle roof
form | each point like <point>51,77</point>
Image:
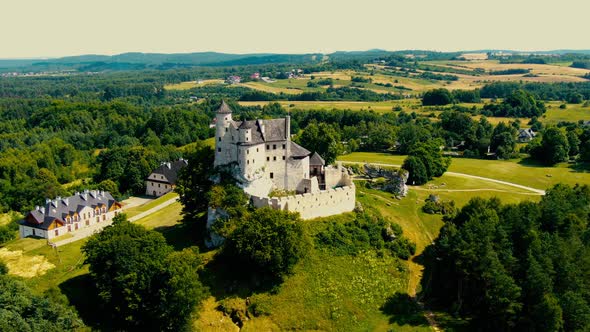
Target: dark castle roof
<point>170,170</point>
<point>316,160</point>
<point>61,207</point>
<point>224,108</point>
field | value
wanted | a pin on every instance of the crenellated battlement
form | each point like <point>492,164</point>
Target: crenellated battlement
<point>312,205</point>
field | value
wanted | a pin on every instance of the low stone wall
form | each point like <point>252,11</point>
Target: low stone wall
<point>321,204</point>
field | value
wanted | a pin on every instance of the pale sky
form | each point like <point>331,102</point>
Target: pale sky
<point>52,28</point>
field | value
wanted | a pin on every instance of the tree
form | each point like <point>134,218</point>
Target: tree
<point>140,280</point>
<point>416,169</point>
<point>431,160</point>
<point>323,139</point>
<point>3,268</point>
<point>503,140</point>
<point>437,97</point>
<point>553,148</point>
<point>267,240</point>
<point>22,310</point>
<point>194,182</point>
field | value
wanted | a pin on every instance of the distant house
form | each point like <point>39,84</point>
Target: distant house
<point>526,135</point>
<point>255,76</point>
<point>163,179</point>
<point>586,123</point>
<point>64,215</point>
<point>233,79</point>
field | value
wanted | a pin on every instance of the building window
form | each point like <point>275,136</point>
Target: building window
<point>56,232</point>
<point>158,185</point>
<point>220,138</point>
<point>248,162</point>
<point>272,175</point>
<point>284,146</point>
<point>218,149</point>
<point>253,160</point>
<point>274,158</point>
<point>226,118</point>
<point>268,147</point>
<point>248,151</point>
<point>226,129</point>
<point>267,158</point>
<point>283,157</point>
<point>274,146</point>
<point>256,149</point>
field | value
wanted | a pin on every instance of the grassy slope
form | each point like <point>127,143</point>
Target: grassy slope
<point>517,171</point>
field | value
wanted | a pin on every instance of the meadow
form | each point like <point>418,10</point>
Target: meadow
<point>520,171</point>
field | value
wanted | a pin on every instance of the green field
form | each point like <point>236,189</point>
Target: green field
<point>572,113</point>
<point>520,172</point>
<point>142,208</point>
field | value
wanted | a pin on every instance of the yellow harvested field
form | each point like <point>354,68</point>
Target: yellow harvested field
<point>267,88</point>
<point>24,265</point>
<point>191,84</point>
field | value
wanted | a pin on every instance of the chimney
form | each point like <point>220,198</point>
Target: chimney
<point>36,207</point>
<point>288,127</point>
<point>47,201</point>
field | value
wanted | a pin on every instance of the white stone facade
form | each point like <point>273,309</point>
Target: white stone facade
<point>265,159</point>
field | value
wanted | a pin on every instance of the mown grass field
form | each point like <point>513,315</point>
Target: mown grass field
<point>191,84</point>
<point>133,211</point>
<point>523,172</point>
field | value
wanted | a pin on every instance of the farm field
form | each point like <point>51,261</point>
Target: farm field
<point>191,84</point>
<point>572,113</point>
<point>516,171</point>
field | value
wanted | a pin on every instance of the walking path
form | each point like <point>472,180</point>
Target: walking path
<point>90,230</point>
<point>535,190</point>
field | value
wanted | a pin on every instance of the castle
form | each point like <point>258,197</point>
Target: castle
<point>265,161</point>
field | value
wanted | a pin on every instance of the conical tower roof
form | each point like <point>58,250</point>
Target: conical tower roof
<point>224,108</point>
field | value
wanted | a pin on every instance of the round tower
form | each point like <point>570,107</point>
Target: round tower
<point>223,121</point>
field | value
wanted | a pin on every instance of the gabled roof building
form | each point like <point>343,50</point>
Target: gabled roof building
<point>60,216</point>
<point>162,180</point>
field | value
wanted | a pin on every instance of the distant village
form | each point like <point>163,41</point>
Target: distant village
<point>294,73</point>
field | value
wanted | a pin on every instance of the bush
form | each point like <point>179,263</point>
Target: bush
<point>367,231</point>
<point>267,240</point>
<point>437,97</point>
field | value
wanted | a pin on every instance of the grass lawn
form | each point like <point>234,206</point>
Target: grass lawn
<point>522,172</point>
<point>166,217</point>
<point>142,208</point>
<point>572,113</point>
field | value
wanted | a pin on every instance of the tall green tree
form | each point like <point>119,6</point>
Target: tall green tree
<point>140,280</point>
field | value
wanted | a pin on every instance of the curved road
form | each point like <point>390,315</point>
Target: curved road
<point>534,190</point>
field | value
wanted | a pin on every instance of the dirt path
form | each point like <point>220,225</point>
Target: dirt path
<point>516,185</point>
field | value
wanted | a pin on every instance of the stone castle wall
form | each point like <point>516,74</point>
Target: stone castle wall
<point>313,205</point>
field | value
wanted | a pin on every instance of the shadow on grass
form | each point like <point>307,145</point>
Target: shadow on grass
<point>404,310</point>
<point>83,295</point>
<point>226,278</point>
<point>182,235</point>
<point>581,167</point>
<point>530,162</point>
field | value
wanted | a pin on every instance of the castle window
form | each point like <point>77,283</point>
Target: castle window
<point>283,157</point>
<point>248,151</point>
<point>253,161</point>
<point>267,158</point>
<point>268,147</point>
<point>256,149</point>
<point>284,146</point>
<point>226,117</point>
<point>274,158</point>
<point>248,162</point>
<point>274,146</point>
<point>226,129</point>
<point>272,175</point>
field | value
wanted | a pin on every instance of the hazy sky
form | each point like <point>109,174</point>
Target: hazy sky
<point>49,28</point>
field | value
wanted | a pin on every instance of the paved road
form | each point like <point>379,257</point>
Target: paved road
<point>516,185</point>
<point>92,229</point>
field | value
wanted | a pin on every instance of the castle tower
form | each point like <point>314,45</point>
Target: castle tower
<point>223,137</point>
